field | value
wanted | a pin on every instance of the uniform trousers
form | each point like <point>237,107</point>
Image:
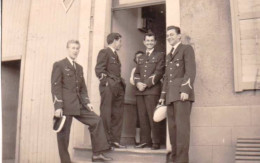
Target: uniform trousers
<point>97,133</point>
<point>112,110</point>
<point>146,105</point>
<point>178,114</point>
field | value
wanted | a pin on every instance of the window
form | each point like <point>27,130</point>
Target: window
<point>246,43</point>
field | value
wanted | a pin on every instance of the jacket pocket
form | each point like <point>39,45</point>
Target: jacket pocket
<point>176,81</point>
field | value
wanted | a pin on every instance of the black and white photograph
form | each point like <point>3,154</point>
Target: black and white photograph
<point>130,81</point>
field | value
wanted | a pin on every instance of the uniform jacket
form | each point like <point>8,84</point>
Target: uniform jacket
<point>180,74</point>
<point>68,87</point>
<point>150,70</point>
<point>108,70</point>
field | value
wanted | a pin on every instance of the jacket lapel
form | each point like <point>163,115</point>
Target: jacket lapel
<point>150,56</point>
<point>112,54</point>
<point>68,64</point>
<point>175,52</point>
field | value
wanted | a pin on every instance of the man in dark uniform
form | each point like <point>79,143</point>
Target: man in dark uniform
<point>71,99</point>
<point>178,94</point>
<point>149,71</point>
<point>112,89</point>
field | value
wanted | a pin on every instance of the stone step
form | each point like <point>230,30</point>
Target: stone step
<point>129,154</point>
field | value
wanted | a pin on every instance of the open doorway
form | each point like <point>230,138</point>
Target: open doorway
<point>132,24</point>
<point>10,95</point>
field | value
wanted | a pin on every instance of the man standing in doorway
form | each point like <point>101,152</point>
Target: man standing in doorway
<point>112,89</point>
<point>178,94</point>
<point>149,71</point>
<point>70,98</point>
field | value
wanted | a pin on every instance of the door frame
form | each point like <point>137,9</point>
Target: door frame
<point>103,25</point>
<point>116,6</point>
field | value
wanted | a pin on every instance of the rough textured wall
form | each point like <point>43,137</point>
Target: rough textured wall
<point>208,23</point>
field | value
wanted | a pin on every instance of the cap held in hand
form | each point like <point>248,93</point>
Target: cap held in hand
<point>58,123</point>
<point>160,113</point>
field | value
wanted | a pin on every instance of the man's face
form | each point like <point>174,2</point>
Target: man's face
<point>73,50</point>
<point>172,37</point>
<point>149,42</point>
<point>118,44</point>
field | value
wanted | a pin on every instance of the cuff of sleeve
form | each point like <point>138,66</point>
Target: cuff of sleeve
<point>136,80</point>
<point>185,89</point>
<point>150,81</point>
<point>163,95</point>
<point>58,107</point>
<point>58,103</point>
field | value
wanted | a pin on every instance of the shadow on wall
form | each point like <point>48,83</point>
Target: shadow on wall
<point>185,39</point>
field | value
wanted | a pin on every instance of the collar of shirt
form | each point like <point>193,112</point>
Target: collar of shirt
<point>113,50</point>
<point>71,60</point>
<point>150,51</point>
<point>176,45</point>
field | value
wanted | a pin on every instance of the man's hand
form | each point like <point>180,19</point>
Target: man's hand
<point>184,96</point>
<point>58,113</point>
<point>90,106</point>
<point>161,101</point>
<point>141,86</point>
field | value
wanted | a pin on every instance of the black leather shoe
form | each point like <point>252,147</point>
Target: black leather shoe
<point>100,158</point>
<point>156,146</point>
<point>143,145</point>
<point>117,145</point>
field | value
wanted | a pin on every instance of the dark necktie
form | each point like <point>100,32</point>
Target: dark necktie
<point>147,54</point>
<point>74,65</point>
<point>171,52</point>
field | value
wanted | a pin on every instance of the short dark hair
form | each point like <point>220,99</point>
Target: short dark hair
<point>149,34</point>
<point>72,42</point>
<point>138,52</point>
<point>177,29</point>
<point>113,36</point>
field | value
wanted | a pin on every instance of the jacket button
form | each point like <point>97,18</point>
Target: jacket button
<point>144,70</point>
<point>170,68</point>
<point>144,75</point>
<point>170,74</point>
<point>170,80</point>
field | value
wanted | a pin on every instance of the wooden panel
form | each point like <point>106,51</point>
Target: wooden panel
<point>250,55</point>
<point>50,27</point>
<point>12,58</point>
<point>246,32</point>
<point>248,6</point>
<point>250,29</point>
<point>249,15</point>
<point>14,27</point>
<point>249,47</point>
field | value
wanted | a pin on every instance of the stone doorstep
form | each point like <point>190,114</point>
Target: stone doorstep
<point>129,154</point>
